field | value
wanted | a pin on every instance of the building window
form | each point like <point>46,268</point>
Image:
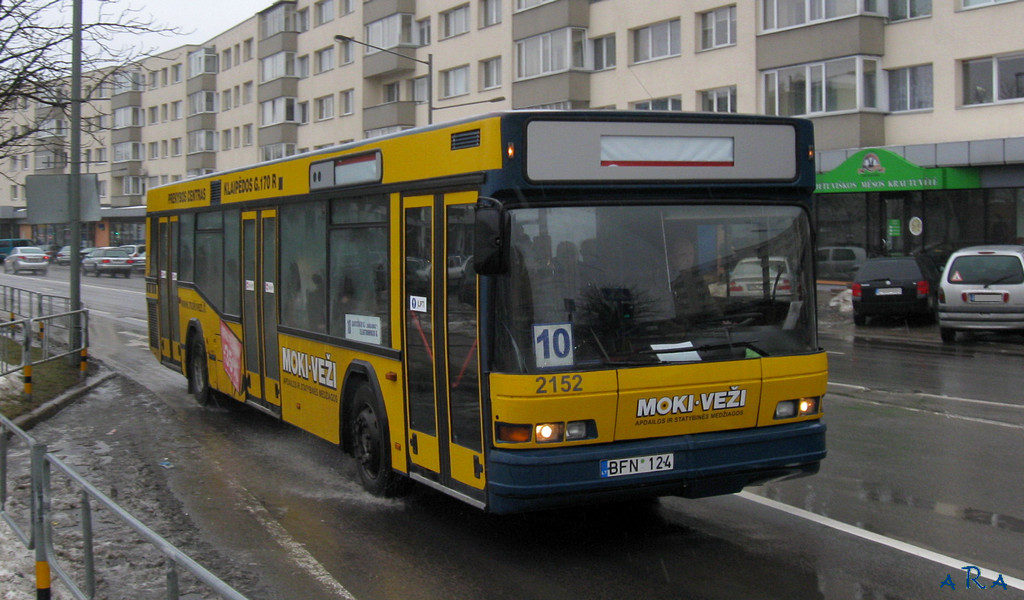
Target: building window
<point>132,186</point>
<point>247,135</point>
<point>900,10</point>
<point>490,12</point>
<point>203,140</point>
<point>347,102</point>
<point>993,79</point>
<point>423,32</point>
<point>128,81</point>
<point>847,84</point>
<point>225,139</point>
<point>278,110</point>
<point>781,14</point>
<point>126,151</point>
<point>391,92</point>
<point>455,22</point>
<point>324,107</point>
<point>324,60</point>
<point>718,28</point>
<point>154,150</point>
<point>247,89</point>
<point>279,19</point>
<point>176,73</point>
<point>910,88</point>
<point>455,82</point>
<point>127,116</point>
<point>525,4</point>
<point>276,151</point>
<point>490,73</point>
<point>202,62</point>
<point>418,90</point>
<point>389,32</point>
<point>348,7</point>
<point>323,11</point>
<point>277,65</point>
<point>671,103</point>
<point>604,52</point>
<point>973,3</point>
<point>202,102</point>
<point>175,146</point>
<point>656,41</point>
<point>719,100</point>
<point>345,49</point>
<point>552,52</point>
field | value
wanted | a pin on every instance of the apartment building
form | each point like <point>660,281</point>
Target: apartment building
<point>918,105</point>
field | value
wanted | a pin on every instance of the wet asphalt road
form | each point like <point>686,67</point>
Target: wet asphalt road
<point>923,478</point>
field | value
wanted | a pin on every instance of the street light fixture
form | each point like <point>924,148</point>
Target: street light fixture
<point>430,70</point>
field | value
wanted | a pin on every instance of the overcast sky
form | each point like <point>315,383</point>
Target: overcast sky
<point>198,20</point>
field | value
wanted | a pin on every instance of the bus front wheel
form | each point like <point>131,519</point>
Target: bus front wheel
<point>198,378</point>
<point>370,445</point>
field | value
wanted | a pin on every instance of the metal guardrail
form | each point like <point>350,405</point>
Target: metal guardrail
<point>38,533</point>
<point>17,303</point>
<point>29,342</point>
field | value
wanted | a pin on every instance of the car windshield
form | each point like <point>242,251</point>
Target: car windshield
<point>986,270</point>
<point>889,269</point>
<point>593,287</point>
<point>115,253</point>
<point>30,250</point>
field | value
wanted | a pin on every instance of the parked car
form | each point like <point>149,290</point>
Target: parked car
<point>64,255</point>
<point>747,279</point>
<point>904,286</point>
<point>26,258</point>
<point>982,289</point>
<point>7,244</point>
<point>137,252</point>
<point>110,260</point>
<point>839,262</point>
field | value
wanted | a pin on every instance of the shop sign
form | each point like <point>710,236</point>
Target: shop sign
<point>877,170</point>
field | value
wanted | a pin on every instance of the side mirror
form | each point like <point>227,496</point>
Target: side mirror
<point>488,237</point>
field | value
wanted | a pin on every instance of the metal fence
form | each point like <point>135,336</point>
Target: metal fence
<point>26,343</point>
<point>17,303</point>
<point>33,523</point>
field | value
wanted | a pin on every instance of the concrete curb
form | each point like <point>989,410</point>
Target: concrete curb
<point>45,411</point>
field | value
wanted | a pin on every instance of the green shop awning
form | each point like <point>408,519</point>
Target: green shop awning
<point>876,170</point>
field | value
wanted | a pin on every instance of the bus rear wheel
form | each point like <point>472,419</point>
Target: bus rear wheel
<point>198,378</point>
<point>371,446</point>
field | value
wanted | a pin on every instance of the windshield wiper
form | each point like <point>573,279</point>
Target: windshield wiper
<point>749,345</point>
<point>999,280</point>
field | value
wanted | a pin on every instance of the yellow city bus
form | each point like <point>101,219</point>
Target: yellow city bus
<point>522,310</point>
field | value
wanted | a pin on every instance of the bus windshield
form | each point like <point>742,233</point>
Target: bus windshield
<point>608,286</point>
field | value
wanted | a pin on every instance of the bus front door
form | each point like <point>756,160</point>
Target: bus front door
<point>259,309</point>
<point>445,437</point>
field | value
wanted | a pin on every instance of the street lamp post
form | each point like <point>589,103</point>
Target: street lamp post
<point>430,70</point>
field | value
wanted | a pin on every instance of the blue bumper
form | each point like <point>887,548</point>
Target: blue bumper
<point>705,464</point>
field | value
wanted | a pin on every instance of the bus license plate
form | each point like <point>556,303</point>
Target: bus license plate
<point>636,465</point>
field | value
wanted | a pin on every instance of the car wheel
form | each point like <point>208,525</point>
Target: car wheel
<point>198,378</point>
<point>371,447</point>
<point>948,334</point>
<point>859,319</point>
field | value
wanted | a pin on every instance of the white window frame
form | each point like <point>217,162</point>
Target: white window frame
<point>323,60</point>
<point>454,22</point>
<point>348,102</point>
<point>126,116</point>
<point>907,9</point>
<point>202,140</point>
<point>490,13</point>
<point>552,52</point>
<point>522,5</point>
<point>722,99</point>
<point>128,151</point>
<point>283,109</point>
<point>323,12</point>
<point>202,62</point>
<point>324,106</point>
<point>903,80</point>
<point>276,66</point>
<point>718,28</point>
<point>390,32</point>
<point>816,86</point>
<point>658,41</point>
<point>603,49</point>
<point>996,87</point>
<point>455,82</point>
<point>809,12</point>
<point>203,101</point>
<point>968,4</point>
<point>673,103</point>
<point>490,73</point>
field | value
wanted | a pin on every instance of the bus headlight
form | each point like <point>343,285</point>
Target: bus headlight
<point>801,407</point>
<point>546,433</point>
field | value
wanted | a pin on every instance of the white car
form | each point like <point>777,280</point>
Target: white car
<point>27,258</point>
<point>747,279</point>
<point>982,289</point>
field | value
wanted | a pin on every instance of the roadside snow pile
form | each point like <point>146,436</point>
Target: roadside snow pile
<point>843,301</point>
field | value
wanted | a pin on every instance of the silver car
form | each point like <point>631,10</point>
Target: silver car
<point>982,289</point>
<point>27,258</point>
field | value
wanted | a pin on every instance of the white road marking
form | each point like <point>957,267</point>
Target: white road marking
<point>942,559</point>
